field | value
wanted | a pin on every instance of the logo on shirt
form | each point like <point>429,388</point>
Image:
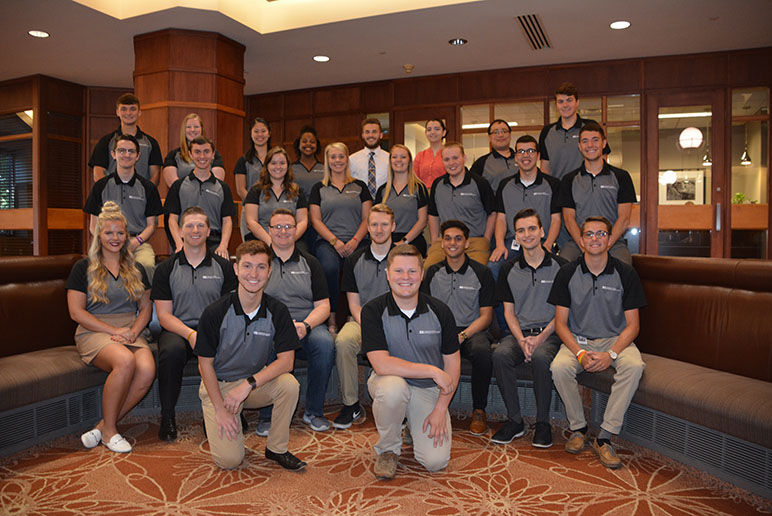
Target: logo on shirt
<point>351,191</point>
<point>541,193</point>
<point>610,187</point>
<point>287,201</point>
<point>428,332</point>
<point>298,272</point>
<point>134,197</point>
<point>547,281</point>
<point>210,277</point>
<point>612,289</point>
<point>207,190</point>
<point>466,287</point>
<point>261,333</point>
<point>468,194</point>
<point>407,195</point>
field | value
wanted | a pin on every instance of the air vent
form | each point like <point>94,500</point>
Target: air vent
<point>533,31</point>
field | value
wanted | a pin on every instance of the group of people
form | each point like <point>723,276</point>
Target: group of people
<point>522,264</point>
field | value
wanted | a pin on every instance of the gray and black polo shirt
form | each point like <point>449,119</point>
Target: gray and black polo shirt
<point>138,199</point>
<point>341,209</point>
<point>542,196</point>
<point>118,301</point>
<point>464,290</point>
<point>250,169</point>
<point>149,153</point>
<point>561,147</point>
<point>306,179</point>
<point>174,159</point>
<point>422,338</point>
<point>191,289</point>
<point>212,195</point>
<point>239,345</point>
<point>365,275</point>
<point>298,283</point>
<point>597,304</point>
<point>404,205</point>
<point>528,288</point>
<point>267,206</point>
<point>592,196</point>
<point>470,202</point>
<point>494,167</point>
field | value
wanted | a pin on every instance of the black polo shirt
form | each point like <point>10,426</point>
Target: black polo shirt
<point>118,301</point>
<point>597,304</point>
<point>404,205</point>
<point>422,338</point>
<point>149,153</point>
<point>212,195</point>
<point>542,196</point>
<point>561,147</point>
<point>528,288</point>
<point>298,283</point>
<point>239,345</point>
<point>365,275</point>
<point>592,196</point>
<point>306,179</point>
<point>341,209</point>
<point>250,169</point>
<point>464,290</point>
<point>267,206</point>
<point>191,289</point>
<point>138,199</point>
<point>470,202</point>
<point>494,167</point>
<point>174,159</point>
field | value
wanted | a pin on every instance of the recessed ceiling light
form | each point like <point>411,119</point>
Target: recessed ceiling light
<point>458,42</point>
<point>620,25</point>
<point>38,34</point>
<point>321,59</point>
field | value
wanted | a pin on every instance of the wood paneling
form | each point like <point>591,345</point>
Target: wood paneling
<point>503,84</point>
<point>270,107</point>
<point>606,78</point>
<point>346,128</point>
<point>16,95</point>
<point>750,68</point>
<point>686,71</point>
<point>298,103</point>
<point>101,101</point>
<point>377,97</point>
<point>20,218</point>
<point>337,100</point>
<point>750,216</point>
<point>439,89</point>
<point>59,218</point>
<point>676,217</point>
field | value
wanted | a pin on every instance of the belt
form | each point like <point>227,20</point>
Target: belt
<point>533,331</point>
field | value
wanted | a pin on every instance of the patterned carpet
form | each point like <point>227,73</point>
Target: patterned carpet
<point>482,479</point>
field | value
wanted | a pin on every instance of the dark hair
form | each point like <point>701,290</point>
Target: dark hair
<point>524,214</point>
<point>527,138</point>
<point>201,140</point>
<point>568,89</point>
<point>592,127</point>
<point>375,121</point>
<point>404,250</point>
<point>253,247</point>
<point>282,211</point>
<point>194,210</point>
<point>453,223</point>
<point>251,153</point>
<point>126,138</point>
<point>127,99</point>
<point>604,220</point>
<point>499,121</point>
<point>438,120</point>
<point>296,144</point>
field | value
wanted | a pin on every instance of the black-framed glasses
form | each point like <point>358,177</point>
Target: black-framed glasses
<point>523,152</point>
<point>285,227</point>
<point>602,233</point>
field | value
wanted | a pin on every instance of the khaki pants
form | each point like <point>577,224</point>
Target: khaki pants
<point>145,255</point>
<point>628,370</point>
<point>479,250</point>
<point>282,392</point>
<point>348,344</point>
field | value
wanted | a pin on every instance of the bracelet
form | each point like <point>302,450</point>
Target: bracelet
<point>354,238</point>
<point>580,355</point>
<point>190,335</point>
<point>139,239</point>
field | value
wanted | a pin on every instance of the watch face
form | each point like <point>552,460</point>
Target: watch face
<point>613,355</point>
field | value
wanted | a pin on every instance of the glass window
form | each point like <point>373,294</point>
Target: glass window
<point>475,117</point>
<point>475,145</point>
<point>16,174</point>
<point>625,143</point>
<point>522,114</point>
<point>624,108</point>
<point>750,102</point>
<point>589,107</point>
<point>16,123</point>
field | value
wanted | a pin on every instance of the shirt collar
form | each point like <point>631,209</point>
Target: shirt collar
<point>461,270</point>
<point>577,125</point>
<point>393,309</point>
<point>262,312</point>
<point>539,178</point>
<point>609,269</point>
<point>369,253</point>
<point>183,260</point>
<point>467,179</point>
<point>498,155</point>
<point>138,136</point>
<point>294,257</point>
<point>545,262</point>
<point>603,172</point>
<point>210,179</point>
<point>119,181</point>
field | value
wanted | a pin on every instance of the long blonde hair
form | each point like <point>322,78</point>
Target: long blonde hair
<point>327,173</point>
<point>97,272</point>
<point>412,180</point>
<point>184,148</point>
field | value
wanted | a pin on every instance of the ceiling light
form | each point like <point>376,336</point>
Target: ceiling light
<point>707,161</point>
<point>457,42</point>
<point>38,34</point>
<point>483,126</point>
<point>620,25</point>
<point>690,138</point>
<point>745,159</point>
<point>321,59</point>
<point>697,114</point>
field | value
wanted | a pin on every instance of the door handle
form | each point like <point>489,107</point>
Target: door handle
<point>718,216</point>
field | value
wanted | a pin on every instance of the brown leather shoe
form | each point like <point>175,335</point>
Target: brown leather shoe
<point>576,442</point>
<point>479,422</point>
<point>386,465</point>
<point>608,457</point>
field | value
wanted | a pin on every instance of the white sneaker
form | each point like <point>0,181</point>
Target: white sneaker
<point>317,423</point>
<point>91,438</point>
<point>118,444</point>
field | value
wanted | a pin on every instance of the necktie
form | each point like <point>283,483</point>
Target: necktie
<point>371,174</point>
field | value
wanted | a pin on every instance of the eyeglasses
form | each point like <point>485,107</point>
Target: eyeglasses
<point>523,152</point>
<point>122,151</point>
<point>600,234</point>
<point>499,132</point>
<point>285,227</point>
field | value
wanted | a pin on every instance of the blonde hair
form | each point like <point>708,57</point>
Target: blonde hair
<point>412,180</point>
<point>184,148</point>
<point>327,173</point>
<point>264,183</point>
<point>97,272</point>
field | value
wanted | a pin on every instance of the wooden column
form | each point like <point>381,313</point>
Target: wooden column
<point>182,71</point>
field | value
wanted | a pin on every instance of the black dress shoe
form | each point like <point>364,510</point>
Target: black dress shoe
<point>286,460</point>
<point>168,430</point>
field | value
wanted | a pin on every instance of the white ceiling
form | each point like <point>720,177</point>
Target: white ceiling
<point>95,49</point>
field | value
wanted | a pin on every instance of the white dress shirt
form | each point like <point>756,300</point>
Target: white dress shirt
<point>358,163</point>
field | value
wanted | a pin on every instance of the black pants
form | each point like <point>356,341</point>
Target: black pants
<point>173,353</point>
<point>477,349</point>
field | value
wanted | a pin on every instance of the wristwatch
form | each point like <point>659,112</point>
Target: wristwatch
<point>612,354</point>
<point>463,335</point>
<point>252,382</point>
<point>308,327</point>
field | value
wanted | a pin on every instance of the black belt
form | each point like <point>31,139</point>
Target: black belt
<point>533,331</point>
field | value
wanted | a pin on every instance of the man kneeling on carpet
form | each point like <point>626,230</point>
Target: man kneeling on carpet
<point>237,336</point>
<point>411,343</point>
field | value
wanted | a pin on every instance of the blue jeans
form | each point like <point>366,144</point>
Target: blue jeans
<point>495,268</point>
<point>319,351</point>
<point>331,263</point>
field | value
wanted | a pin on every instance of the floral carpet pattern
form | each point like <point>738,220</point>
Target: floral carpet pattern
<point>482,479</point>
